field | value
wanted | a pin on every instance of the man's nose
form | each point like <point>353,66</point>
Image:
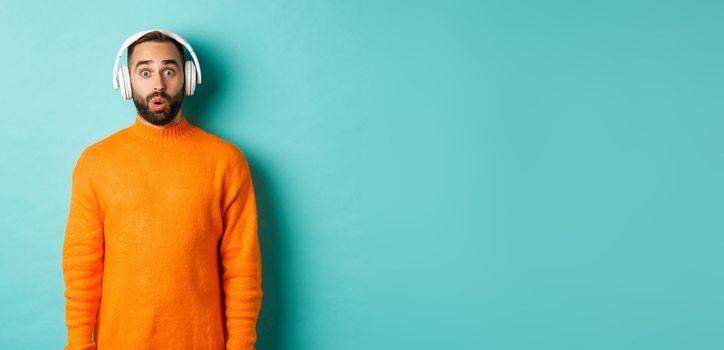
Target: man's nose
<point>159,84</point>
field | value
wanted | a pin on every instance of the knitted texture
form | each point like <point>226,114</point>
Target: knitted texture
<point>161,248</point>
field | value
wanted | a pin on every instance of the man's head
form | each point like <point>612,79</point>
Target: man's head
<point>156,63</point>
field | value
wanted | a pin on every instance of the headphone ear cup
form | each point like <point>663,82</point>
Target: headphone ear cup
<point>121,82</point>
<point>189,78</point>
<point>124,81</point>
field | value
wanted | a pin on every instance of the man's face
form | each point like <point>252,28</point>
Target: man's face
<point>157,81</point>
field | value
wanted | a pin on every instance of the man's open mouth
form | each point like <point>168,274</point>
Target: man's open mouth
<point>158,103</point>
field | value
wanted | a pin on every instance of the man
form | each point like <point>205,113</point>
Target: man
<point>161,247</point>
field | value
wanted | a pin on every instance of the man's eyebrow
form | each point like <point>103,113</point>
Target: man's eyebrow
<point>164,62</point>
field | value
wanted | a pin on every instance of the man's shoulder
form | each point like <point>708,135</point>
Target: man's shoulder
<point>101,147</point>
<point>223,148</point>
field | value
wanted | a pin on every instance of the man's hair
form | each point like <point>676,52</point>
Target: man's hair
<point>155,36</point>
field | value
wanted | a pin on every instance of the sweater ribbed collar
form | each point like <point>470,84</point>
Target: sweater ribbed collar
<point>150,133</point>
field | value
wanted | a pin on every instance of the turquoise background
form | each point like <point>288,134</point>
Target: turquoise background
<point>430,174</point>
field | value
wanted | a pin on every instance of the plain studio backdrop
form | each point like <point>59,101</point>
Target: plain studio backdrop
<point>430,174</point>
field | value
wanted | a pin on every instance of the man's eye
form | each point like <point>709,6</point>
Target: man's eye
<point>169,70</point>
<point>144,73</point>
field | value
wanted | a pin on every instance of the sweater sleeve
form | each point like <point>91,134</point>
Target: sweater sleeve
<point>83,249</point>
<point>240,257</point>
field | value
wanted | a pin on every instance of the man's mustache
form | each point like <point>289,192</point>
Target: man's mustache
<point>160,94</point>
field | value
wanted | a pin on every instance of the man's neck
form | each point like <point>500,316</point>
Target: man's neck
<point>173,122</point>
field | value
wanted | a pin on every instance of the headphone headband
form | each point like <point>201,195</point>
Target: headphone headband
<point>136,36</point>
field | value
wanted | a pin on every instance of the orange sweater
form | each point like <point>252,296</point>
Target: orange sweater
<point>161,248</point>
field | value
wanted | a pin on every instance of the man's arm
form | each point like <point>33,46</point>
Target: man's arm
<point>241,258</point>
<point>83,249</point>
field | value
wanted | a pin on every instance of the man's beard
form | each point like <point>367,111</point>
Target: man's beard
<point>173,105</point>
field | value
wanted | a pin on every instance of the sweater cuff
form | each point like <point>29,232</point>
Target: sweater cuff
<point>232,344</point>
<point>89,346</point>
<point>80,338</point>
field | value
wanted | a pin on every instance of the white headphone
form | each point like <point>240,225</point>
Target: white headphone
<point>122,77</point>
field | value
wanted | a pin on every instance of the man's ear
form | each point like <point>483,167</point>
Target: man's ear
<point>130,76</point>
<point>129,64</point>
<point>183,82</point>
